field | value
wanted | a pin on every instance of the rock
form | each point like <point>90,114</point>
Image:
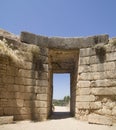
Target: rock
<point>99,119</point>
<point>6,120</point>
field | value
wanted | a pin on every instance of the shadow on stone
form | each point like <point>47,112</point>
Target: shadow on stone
<point>60,115</point>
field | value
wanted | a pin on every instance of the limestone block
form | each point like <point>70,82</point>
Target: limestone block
<point>110,74</point>
<point>94,60</point>
<point>85,98</point>
<point>28,96</point>
<point>106,111</point>
<point>42,90</point>
<point>42,97</point>
<point>91,76</point>
<point>111,56</point>
<point>28,89</point>
<point>84,60</point>
<point>25,73</point>
<point>8,111</point>
<point>44,59</point>
<point>45,67</point>
<point>6,120</point>
<point>82,105</point>
<point>27,65</point>
<point>8,79</point>
<point>41,75</point>
<point>42,82</point>
<point>101,83</point>
<point>16,88</point>
<point>43,110</point>
<point>11,70</point>
<point>83,91</point>
<point>109,66</point>
<point>99,119</point>
<point>25,110</point>
<point>84,68</point>
<point>19,102</point>
<point>104,91</point>
<point>83,84</point>
<point>1,111</point>
<point>87,52</point>
<point>41,104</point>
<point>114,111</point>
<point>95,105</point>
<point>97,67</point>
<point>27,103</point>
<point>29,82</point>
<point>19,95</point>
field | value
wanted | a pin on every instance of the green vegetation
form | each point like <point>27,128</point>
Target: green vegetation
<point>64,102</point>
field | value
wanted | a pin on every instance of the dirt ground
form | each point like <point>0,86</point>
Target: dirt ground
<point>60,120</point>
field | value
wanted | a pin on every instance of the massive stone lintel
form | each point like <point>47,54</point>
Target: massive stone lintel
<point>63,43</point>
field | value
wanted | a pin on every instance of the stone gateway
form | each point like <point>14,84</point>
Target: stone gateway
<point>27,64</point>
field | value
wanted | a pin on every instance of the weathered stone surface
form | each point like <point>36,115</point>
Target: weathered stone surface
<point>6,120</point>
<point>83,84</point>
<point>87,52</point>
<point>111,56</point>
<point>114,111</point>
<point>42,83</point>
<point>95,105</point>
<point>84,68</point>
<point>104,91</point>
<point>42,97</point>
<point>85,98</point>
<point>83,91</point>
<point>82,105</point>
<point>99,119</point>
<point>67,43</point>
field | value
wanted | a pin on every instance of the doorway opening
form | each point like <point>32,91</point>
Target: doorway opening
<point>63,64</point>
<point>61,95</point>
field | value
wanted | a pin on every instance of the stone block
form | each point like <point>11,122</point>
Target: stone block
<point>87,52</point>
<point>104,91</point>
<point>85,98</point>
<point>111,56</point>
<point>25,73</point>
<point>8,79</point>
<point>41,104</point>
<point>83,84</point>
<point>1,111</point>
<point>19,102</point>
<point>41,75</point>
<point>101,83</point>
<point>109,66</point>
<point>82,105</point>
<point>8,110</point>
<point>84,68</point>
<point>6,120</point>
<point>114,111</point>
<point>28,89</point>
<point>42,90</point>
<point>95,105</point>
<point>83,91</point>
<point>42,97</point>
<point>99,119</point>
<point>42,82</point>
<point>25,110</point>
<point>84,60</point>
<point>110,74</point>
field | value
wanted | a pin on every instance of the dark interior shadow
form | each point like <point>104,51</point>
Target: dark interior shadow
<point>60,115</point>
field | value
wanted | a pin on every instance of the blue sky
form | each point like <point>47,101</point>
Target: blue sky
<point>66,18</point>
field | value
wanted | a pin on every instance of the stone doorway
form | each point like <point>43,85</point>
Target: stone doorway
<point>64,61</point>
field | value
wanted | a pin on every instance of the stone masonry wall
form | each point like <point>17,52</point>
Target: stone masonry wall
<point>96,87</point>
<point>23,86</point>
